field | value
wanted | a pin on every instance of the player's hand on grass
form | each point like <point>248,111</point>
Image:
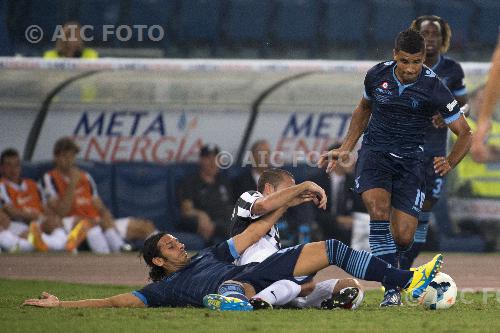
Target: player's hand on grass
<point>438,121</point>
<point>441,165</point>
<point>45,301</point>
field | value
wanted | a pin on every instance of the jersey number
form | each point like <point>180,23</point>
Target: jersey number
<point>419,200</point>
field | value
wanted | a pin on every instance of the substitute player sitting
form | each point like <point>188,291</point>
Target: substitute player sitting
<point>73,195</point>
<point>401,96</point>
<point>25,206</point>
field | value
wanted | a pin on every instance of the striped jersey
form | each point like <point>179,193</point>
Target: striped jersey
<point>242,217</point>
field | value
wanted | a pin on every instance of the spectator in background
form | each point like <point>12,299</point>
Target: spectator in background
<point>73,195</point>
<point>24,204</point>
<point>260,162</point>
<point>71,45</point>
<point>480,152</point>
<point>205,198</point>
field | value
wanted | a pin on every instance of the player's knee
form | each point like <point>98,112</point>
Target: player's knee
<point>378,209</point>
<point>403,239</point>
<point>378,212</point>
<point>345,283</point>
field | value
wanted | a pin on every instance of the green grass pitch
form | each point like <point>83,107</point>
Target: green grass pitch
<point>470,314</point>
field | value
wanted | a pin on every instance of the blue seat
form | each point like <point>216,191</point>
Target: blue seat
<point>176,173</point>
<point>150,13</point>
<point>247,22</point>
<point>98,13</point>
<point>296,22</point>
<point>47,15</point>
<point>141,190</point>
<point>5,41</point>
<point>102,173</point>
<point>198,23</point>
<point>390,18</point>
<point>36,170</point>
<point>489,21</point>
<point>345,21</point>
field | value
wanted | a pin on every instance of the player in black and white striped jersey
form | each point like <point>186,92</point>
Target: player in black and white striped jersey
<point>276,188</point>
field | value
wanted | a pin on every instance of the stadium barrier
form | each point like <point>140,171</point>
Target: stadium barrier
<point>132,115</point>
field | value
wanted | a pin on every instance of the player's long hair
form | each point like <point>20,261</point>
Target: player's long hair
<point>445,29</point>
<point>151,251</point>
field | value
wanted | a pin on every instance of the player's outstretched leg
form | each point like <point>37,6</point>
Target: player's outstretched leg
<point>363,265</point>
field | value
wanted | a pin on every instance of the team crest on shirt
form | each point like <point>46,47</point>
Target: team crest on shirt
<point>429,73</point>
<point>414,103</point>
<point>385,85</point>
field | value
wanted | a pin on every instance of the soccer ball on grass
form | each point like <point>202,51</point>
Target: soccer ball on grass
<point>440,294</point>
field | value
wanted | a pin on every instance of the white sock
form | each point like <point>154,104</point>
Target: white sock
<point>322,291</point>
<point>280,292</point>
<point>114,239</point>
<point>96,240</point>
<point>10,242</point>
<point>56,241</point>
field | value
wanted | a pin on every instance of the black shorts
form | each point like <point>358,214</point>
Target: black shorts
<point>279,266</point>
<point>401,176</point>
<point>434,183</point>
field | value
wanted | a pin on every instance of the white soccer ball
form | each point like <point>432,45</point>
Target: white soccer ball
<point>440,294</point>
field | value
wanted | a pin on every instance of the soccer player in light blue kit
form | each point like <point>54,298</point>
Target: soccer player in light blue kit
<point>400,98</point>
<point>437,35</point>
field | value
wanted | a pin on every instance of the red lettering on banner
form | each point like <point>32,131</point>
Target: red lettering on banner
<point>169,153</point>
<point>101,152</point>
<point>193,150</point>
<point>301,146</point>
<point>163,149</point>
<point>141,149</point>
<point>282,145</point>
<point>120,148</point>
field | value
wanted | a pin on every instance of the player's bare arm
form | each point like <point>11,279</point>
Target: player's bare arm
<point>257,230</point>
<point>479,150</point>
<point>463,132</point>
<point>359,121</point>
<point>285,196</point>
<point>62,205</point>
<point>18,214</point>
<point>119,301</point>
